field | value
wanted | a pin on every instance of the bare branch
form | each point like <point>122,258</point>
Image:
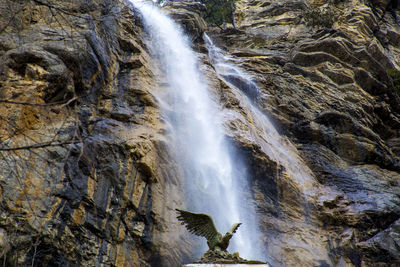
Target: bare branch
<point>41,145</point>
<point>63,103</point>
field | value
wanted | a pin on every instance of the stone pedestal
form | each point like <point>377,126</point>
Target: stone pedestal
<point>225,265</point>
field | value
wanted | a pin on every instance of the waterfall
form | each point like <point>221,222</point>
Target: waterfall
<point>277,147</point>
<point>215,182</point>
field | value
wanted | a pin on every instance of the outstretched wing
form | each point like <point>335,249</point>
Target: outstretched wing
<point>199,224</point>
<point>234,228</point>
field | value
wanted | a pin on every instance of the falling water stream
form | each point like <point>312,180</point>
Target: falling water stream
<point>215,182</point>
<point>278,148</point>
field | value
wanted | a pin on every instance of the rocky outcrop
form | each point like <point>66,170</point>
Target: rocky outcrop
<point>188,15</point>
<point>86,176</point>
<point>323,81</point>
<point>224,257</point>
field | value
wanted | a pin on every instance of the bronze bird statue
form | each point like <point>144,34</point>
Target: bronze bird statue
<point>203,225</point>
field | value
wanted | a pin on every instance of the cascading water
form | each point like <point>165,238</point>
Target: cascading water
<point>278,148</point>
<point>215,184</point>
<point>272,143</point>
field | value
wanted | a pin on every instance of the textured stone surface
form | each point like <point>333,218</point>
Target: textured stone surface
<point>224,257</point>
<point>327,90</point>
<point>187,14</point>
<point>86,177</point>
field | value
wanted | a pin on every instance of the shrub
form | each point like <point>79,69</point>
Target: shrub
<point>315,17</point>
<point>394,74</point>
<point>219,12</point>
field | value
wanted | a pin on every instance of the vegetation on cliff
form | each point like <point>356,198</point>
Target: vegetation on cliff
<point>316,17</point>
<point>394,74</point>
<point>219,12</point>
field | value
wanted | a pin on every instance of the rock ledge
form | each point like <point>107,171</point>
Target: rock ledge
<point>224,257</point>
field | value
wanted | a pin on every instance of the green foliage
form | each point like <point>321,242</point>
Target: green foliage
<point>394,74</point>
<point>219,12</point>
<point>315,17</point>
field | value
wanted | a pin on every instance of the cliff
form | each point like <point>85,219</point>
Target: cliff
<point>86,178</point>
<point>86,174</point>
<point>322,67</point>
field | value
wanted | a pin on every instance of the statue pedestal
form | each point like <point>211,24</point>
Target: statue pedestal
<point>225,265</point>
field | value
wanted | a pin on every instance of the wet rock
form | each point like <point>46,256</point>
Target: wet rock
<point>330,92</point>
<point>384,245</point>
<point>188,15</point>
<point>80,175</point>
<point>86,177</point>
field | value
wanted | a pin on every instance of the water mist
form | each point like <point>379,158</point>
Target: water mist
<point>215,182</point>
<point>278,148</point>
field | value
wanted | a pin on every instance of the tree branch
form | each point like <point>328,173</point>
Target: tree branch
<point>36,146</point>
<point>64,103</point>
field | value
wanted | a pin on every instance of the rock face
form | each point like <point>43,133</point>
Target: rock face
<point>86,178</point>
<point>86,175</point>
<point>187,14</point>
<point>324,83</point>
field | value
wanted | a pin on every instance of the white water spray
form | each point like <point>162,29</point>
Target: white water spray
<point>278,148</point>
<point>215,184</point>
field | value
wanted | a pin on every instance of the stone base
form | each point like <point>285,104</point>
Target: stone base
<point>224,258</point>
<point>225,265</point>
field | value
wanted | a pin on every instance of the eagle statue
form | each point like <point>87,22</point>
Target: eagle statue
<point>203,225</point>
